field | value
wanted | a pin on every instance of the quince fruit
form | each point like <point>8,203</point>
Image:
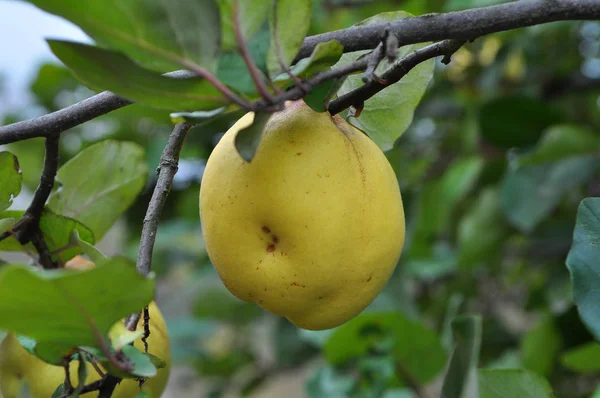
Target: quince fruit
<point>17,366</point>
<point>312,228</point>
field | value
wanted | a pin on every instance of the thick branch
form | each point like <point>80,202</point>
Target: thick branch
<point>27,229</point>
<point>462,25</point>
<point>394,74</point>
<point>71,116</point>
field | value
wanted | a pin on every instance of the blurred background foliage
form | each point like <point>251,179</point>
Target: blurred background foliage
<point>502,149</point>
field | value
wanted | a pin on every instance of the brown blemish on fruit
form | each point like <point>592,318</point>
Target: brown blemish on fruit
<point>320,297</point>
<point>275,239</point>
<point>265,289</point>
<point>266,230</point>
<point>271,248</point>
<point>297,284</point>
<point>298,153</point>
<point>369,280</point>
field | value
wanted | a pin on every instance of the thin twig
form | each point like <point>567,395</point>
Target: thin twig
<point>106,389</point>
<point>397,72</point>
<point>166,172</point>
<point>255,73</point>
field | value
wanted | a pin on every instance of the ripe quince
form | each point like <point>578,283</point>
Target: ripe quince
<point>312,228</point>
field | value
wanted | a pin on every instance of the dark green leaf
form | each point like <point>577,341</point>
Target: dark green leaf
<point>515,121</point>
<point>289,21</point>
<point>512,383</point>
<point>410,343</point>
<point>540,346</point>
<point>100,183</point>
<point>11,177</point>
<point>582,359</point>
<point>70,307</point>
<point>248,138</point>
<point>461,376</point>
<point>156,34</point>
<point>108,70</point>
<point>583,262</point>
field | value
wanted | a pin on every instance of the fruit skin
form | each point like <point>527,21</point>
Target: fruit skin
<point>313,227</point>
<point>18,366</point>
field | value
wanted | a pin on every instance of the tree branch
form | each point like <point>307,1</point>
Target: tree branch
<point>394,74</point>
<point>27,229</point>
<point>460,25</point>
<point>166,172</point>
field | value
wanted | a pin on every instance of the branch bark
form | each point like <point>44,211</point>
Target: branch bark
<point>460,25</point>
<point>27,229</point>
<point>394,74</point>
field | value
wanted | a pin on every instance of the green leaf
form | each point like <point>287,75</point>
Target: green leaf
<point>60,391</point>
<point>233,71</point>
<point>142,364</point>
<point>410,343</point>
<point>48,352</point>
<point>71,308</point>
<point>515,121</point>
<point>461,378</point>
<point>389,113</point>
<point>529,194</point>
<point>81,376</point>
<point>6,224</point>
<point>582,359</point>
<point>584,264</point>
<point>318,98</point>
<point>325,55</point>
<point>100,183</point>
<point>11,177</point>
<point>87,248</point>
<point>196,117</point>
<point>560,142</point>
<point>512,383</point>
<point>248,139</point>
<point>108,70</point>
<point>540,345</point>
<point>142,394</point>
<point>289,21</point>
<point>56,230</point>
<point>156,34</point>
<point>252,15</point>
<point>481,230</point>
